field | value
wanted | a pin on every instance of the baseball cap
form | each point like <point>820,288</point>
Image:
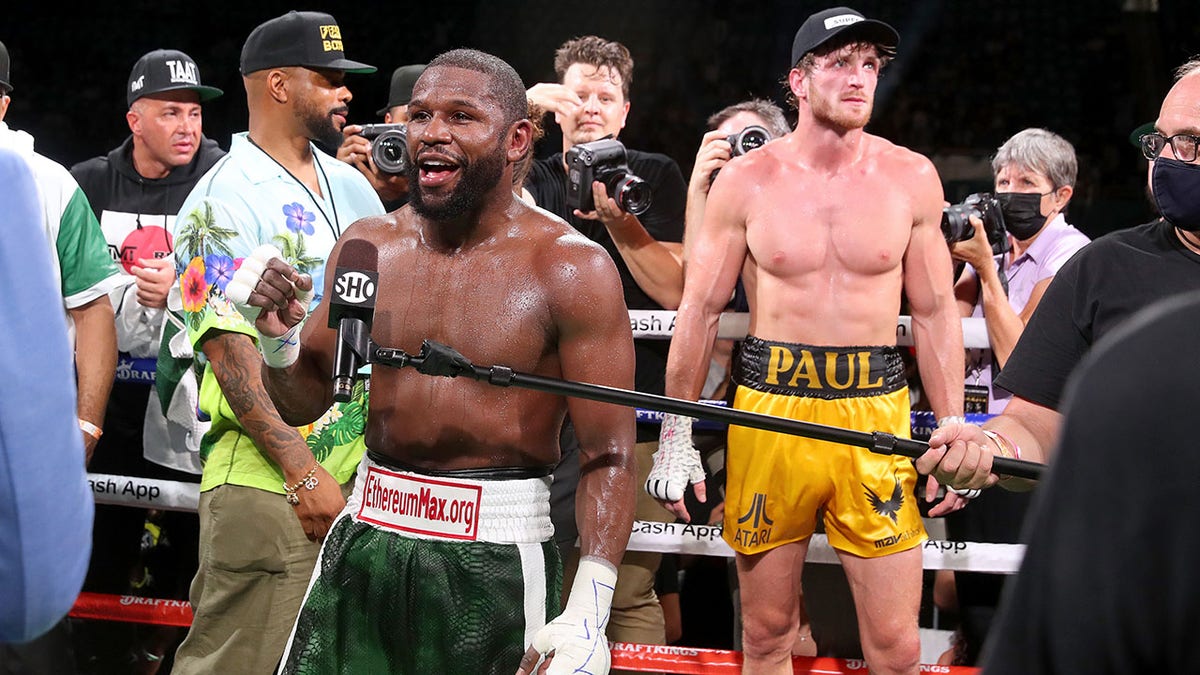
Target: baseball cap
<point>166,70</point>
<point>823,26</point>
<point>5,80</point>
<point>403,79</point>
<point>308,39</point>
<point>1135,136</point>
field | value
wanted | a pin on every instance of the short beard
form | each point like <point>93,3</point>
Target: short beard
<point>476,180</point>
<point>319,127</point>
<point>827,112</point>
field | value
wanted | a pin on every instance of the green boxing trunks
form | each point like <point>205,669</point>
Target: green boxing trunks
<point>429,574</point>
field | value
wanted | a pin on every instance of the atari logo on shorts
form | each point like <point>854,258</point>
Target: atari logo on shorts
<point>758,531</point>
<point>436,507</point>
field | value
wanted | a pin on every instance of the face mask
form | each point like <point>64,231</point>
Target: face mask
<point>1176,188</point>
<point>1022,213</point>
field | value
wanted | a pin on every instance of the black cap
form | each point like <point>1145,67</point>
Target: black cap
<point>309,39</point>
<point>823,26</point>
<point>5,80</point>
<point>1135,136</point>
<point>400,93</point>
<point>166,70</point>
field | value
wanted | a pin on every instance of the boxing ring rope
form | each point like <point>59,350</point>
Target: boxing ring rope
<point>649,536</point>
<point>660,324</point>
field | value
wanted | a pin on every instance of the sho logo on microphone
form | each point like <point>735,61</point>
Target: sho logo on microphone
<point>356,286</point>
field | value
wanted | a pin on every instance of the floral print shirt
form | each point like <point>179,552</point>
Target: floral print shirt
<point>248,199</point>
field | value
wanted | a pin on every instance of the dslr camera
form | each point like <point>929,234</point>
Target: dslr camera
<point>750,138</point>
<point>604,161</point>
<point>982,205</point>
<point>389,146</point>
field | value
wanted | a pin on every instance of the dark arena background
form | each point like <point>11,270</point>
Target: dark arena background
<point>969,73</point>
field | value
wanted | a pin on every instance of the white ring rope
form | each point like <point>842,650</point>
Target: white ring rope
<point>149,493</point>
<point>654,323</point>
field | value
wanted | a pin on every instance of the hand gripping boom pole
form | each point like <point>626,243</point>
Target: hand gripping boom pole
<point>438,359</point>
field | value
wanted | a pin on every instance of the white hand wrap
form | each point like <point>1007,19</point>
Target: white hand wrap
<point>676,462</point>
<point>969,493</point>
<point>282,351</point>
<point>577,636</point>
<point>279,351</point>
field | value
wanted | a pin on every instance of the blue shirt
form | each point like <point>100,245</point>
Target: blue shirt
<point>46,504</point>
<point>248,199</point>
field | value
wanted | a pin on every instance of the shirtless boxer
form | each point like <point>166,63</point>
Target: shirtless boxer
<point>466,587</point>
<point>826,226</point>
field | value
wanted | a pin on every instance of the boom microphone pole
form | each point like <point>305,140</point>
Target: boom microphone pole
<point>438,359</point>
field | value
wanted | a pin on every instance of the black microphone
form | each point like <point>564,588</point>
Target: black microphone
<point>351,309</point>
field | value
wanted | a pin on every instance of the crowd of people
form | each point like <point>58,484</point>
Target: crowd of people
<point>417,520</point>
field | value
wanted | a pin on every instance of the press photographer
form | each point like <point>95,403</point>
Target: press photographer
<point>1034,175</point>
<point>379,151</point>
<point>733,131</point>
<point>590,102</point>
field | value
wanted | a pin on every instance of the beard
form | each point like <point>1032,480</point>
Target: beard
<point>319,125</point>
<point>474,181</point>
<point>827,111</point>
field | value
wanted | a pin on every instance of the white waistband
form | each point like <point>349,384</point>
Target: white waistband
<point>452,509</point>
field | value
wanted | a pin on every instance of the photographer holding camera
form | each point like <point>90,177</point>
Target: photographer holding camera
<point>732,132</point>
<point>590,103</point>
<point>377,150</point>
<point>1034,179</point>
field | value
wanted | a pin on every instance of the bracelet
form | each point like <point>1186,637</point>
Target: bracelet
<point>1003,443</point>
<point>309,482</point>
<point>90,429</point>
<point>951,419</point>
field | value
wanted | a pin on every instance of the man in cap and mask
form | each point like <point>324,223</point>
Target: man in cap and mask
<point>259,537</point>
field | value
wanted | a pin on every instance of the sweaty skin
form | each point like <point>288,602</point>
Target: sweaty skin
<point>827,227</point>
<point>507,285</point>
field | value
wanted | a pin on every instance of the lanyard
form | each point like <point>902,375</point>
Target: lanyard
<point>333,223</point>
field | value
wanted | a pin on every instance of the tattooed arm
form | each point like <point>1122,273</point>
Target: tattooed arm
<point>237,365</point>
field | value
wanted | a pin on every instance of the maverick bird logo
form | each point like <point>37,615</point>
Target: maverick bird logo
<point>890,507</point>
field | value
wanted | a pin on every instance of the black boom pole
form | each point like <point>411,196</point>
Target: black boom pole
<point>438,359</point>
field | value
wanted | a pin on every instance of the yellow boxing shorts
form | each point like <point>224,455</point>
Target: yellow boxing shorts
<point>777,483</point>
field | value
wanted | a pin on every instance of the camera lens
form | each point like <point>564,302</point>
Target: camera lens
<point>750,138</point>
<point>633,194</point>
<point>390,152</point>
<point>956,224</point>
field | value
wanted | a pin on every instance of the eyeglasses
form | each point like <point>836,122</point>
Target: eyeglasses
<point>1182,145</point>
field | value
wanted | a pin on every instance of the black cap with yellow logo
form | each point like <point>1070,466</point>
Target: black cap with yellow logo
<point>309,39</point>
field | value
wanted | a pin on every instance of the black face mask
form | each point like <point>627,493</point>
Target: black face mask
<point>1022,213</point>
<point>1176,188</point>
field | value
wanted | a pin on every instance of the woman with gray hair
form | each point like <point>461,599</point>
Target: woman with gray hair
<point>1034,174</point>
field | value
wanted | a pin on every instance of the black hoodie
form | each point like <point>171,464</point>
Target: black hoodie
<point>136,214</point>
<point>114,188</point>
